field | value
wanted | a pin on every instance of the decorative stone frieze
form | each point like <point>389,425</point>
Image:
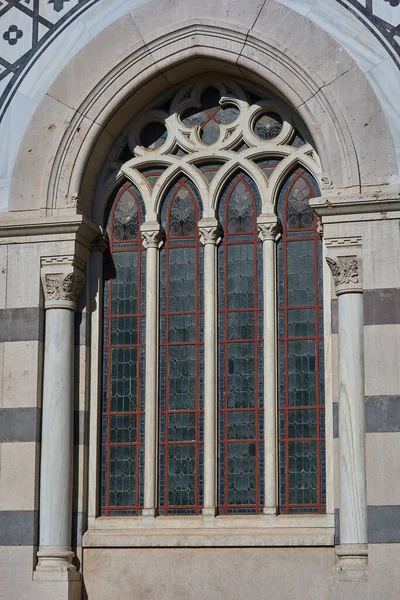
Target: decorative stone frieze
<point>62,280</point>
<point>346,272</point>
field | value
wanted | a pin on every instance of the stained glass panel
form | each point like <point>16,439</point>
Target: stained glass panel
<point>241,475</point>
<point>123,358</point>
<point>268,126</point>
<point>181,365</point>
<point>210,116</point>
<point>300,333</point>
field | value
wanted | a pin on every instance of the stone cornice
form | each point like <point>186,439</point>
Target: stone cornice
<point>381,200</point>
<point>18,227</point>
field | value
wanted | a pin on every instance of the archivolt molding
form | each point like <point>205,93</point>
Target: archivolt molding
<point>75,167</point>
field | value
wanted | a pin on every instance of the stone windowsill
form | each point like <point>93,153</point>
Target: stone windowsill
<point>260,531</point>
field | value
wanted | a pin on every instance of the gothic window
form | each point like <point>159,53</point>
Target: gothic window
<point>219,387</point>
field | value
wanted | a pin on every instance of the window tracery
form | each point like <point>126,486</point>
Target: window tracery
<point>228,153</point>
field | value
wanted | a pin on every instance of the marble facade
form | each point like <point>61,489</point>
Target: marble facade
<point>336,63</point>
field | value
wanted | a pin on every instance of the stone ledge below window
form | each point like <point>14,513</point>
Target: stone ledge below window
<point>162,532</point>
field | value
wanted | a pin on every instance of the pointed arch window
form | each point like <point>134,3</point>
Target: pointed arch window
<point>231,418</point>
<point>181,354</point>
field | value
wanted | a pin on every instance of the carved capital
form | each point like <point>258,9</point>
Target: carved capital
<point>269,228</point>
<point>346,272</point>
<point>62,280</point>
<point>153,238</point>
<point>210,234</point>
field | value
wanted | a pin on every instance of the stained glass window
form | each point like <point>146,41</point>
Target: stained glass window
<point>210,116</point>
<point>302,465</point>
<point>240,302</point>
<point>123,358</point>
<point>181,354</point>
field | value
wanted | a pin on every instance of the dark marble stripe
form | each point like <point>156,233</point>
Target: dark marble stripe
<point>81,427</point>
<point>384,524</point>
<point>382,414</point>
<point>335,419</point>
<point>79,526</point>
<point>18,527</point>
<point>19,424</point>
<point>21,324</point>
<point>382,306</point>
<point>337,526</point>
<point>334,316</point>
<point>81,329</point>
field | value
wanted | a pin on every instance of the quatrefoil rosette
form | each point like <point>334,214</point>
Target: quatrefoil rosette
<point>215,116</point>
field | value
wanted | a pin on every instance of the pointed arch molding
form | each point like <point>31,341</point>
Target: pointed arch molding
<point>64,148</point>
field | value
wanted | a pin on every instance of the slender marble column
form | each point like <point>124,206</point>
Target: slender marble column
<point>346,271</point>
<point>210,237</point>
<point>62,280</point>
<point>269,233</point>
<point>152,239</point>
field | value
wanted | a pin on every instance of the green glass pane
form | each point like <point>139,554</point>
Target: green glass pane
<point>242,473</point>
<point>182,280</point>
<point>301,323</point>
<point>182,377</point>
<point>303,480</point>
<point>240,276</point>
<point>123,428</point>
<point>124,331</point>
<point>181,474</point>
<point>241,425</point>
<point>301,367</point>
<point>182,328</point>
<point>123,379</point>
<point>125,283</point>
<point>123,466</point>
<point>241,375</point>
<point>300,273</point>
<point>302,423</point>
<point>241,326</point>
<point>182,427</point>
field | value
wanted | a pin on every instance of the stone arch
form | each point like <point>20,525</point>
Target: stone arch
<point>63,149</point>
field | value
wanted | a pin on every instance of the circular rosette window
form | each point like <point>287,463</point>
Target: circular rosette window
<point>268,126</point>
<point>210,116</point>
<point>153,135</point>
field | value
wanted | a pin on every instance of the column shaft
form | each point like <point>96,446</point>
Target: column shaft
<point>353,505</point>
<point>270,377</point>
<point>57,430</point>
<point>210,381</point>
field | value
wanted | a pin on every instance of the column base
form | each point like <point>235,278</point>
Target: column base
<point>55,559</point>
<point>349,578</point>
<point>270,510</point>
<point>209,512</point>
<point>352,559</point>
<point>149,512</point>
<point>53,585</point>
